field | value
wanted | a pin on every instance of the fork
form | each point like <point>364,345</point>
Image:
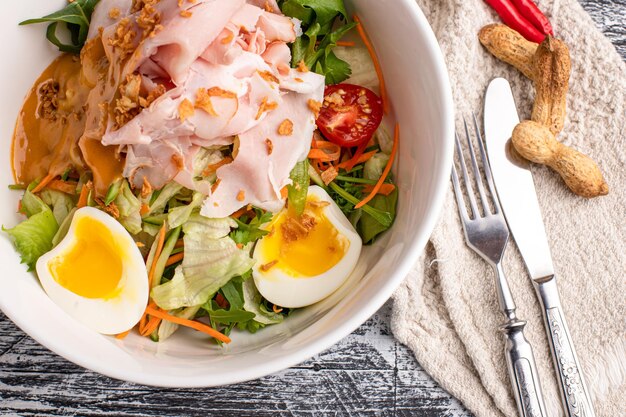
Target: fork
<point>487,234</point>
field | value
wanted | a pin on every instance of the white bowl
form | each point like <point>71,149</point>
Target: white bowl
<point>418,86</point>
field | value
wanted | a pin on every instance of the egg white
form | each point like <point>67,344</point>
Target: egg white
<point>284,290</point>
<point>108,316</point>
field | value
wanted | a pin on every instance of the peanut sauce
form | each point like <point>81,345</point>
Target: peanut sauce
<point>53,119</point>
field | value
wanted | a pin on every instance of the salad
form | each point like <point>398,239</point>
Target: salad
<point>211,164</point>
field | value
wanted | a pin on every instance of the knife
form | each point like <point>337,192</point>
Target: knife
<point>518,199</point>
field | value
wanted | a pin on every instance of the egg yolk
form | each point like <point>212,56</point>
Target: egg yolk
<point>92,267</point>
<point>303,247</point>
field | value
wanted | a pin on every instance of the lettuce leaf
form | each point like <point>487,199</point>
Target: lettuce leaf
<point>129,207</point>
<point>33,237</point>
<point>373,167</point>
<point>164,195</point>
<point>252,303</point>
<point>211,259</point>
<point>61,203</point>
<point>179,215</point>
<point>167,328</point>
<point>63,228</point>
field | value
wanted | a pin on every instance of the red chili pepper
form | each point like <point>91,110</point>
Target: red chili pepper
<point>530,11</point>
<point>513,18</point>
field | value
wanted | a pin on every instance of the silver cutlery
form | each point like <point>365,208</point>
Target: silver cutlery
<point>487,234</point>
<point>516,190</point>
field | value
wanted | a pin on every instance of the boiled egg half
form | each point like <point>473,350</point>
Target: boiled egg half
<point>303,259</point>
<point>96,274</point>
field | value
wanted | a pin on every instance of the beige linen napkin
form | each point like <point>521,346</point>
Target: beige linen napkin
<point>446,311</point>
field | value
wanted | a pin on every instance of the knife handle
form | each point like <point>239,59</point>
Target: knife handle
<point>574,392</point>
<point>523,371</point>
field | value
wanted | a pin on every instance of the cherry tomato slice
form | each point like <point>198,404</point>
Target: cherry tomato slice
<point>349,115</point>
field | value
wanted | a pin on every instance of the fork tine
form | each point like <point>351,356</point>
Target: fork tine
<point>486,167</point>
<point>477,176</point>
<point>459,196</point>
<point>466,179</point>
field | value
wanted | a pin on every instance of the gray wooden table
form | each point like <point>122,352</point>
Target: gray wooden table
<point>367,373</point>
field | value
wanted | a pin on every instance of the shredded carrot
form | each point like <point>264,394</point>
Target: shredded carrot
<point>240,212</point>
<point>277,309</point>
<point>42,184</point>
<point>67,187</point>
<point>84,195</point>
<point>394,149</point>
<point>356,159</point>
<point>377,67</point>
<point>144,209</point>
<point>180,243</point>
<point>157,253</point>
<point>325,151</point>
<point>143,322</point>
<point>344,43</point>
<point>213,167</point>
<point>384,189</point>
<point>151,326</point>
<point>215,185</point>
<point>239,245</point>
<point>284,192</point>
<point>196,325</point>
<point>122,335</point>
<point>175,258</point>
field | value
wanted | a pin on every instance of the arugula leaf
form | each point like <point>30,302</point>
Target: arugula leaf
<point>251,232</point>
<point>233,293</point>
<point>76,16</point>
<point>298,190</point>
<point>228,316</point>
<point>33,237</point>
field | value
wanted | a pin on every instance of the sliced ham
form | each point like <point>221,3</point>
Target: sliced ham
<point>233,115</point>
<point>106,14</point>
<point>225,68</point>
<point>261,168</point>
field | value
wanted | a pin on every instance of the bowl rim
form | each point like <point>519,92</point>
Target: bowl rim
<point>414,249</point>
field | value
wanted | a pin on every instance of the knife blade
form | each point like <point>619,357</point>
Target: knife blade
<point>518,199</point>
<point>514,182</point>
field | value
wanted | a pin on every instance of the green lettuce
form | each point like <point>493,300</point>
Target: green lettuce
<point>252,303</point>
<point>129,207</point>
<point>373,167</point>
<point>167,328</point>
<point>179,215</point>
<point>211,259</point>
<point>33,237</point>
<point>163,196</point>
<point>61,203</point>
<point>63,228</point>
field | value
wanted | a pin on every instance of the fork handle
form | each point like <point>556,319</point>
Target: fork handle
<point>574,392</point>
<point>519,354</point>
<point>523,371</point>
